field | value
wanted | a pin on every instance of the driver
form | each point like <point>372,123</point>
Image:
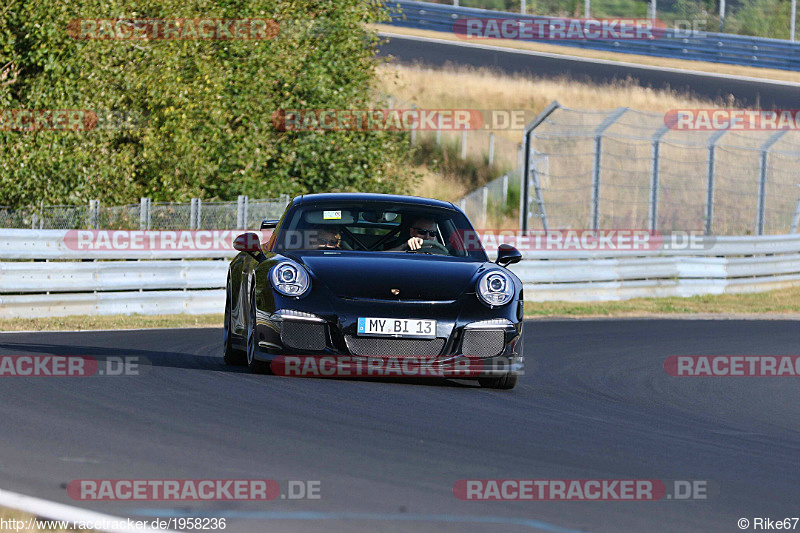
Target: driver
<point>422,229</point>
<point>328,238</point>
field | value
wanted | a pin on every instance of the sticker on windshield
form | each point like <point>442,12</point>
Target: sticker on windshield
<point>331,215</point>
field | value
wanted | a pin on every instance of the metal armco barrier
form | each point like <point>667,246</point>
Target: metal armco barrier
<point>705,46</point>
<point>162,286</point>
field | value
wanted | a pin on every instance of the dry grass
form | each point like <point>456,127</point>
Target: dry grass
<point>627,169</point>
<point>471,88</point>
<point>467,87</point>
<point>433,185</point>
<point>777,303</point>
<point>76,322</point>
<point>719,68</point>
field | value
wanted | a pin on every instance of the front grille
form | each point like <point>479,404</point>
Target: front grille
<point>303,335</point>
<point>382,347</point>
<point>483,343</point>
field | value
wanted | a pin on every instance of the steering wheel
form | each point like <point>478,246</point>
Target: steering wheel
<point>431,247</point>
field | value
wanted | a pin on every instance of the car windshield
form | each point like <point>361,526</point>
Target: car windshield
<point>380,227</point>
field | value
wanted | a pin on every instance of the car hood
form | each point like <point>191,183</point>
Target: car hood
<point>374,275</point>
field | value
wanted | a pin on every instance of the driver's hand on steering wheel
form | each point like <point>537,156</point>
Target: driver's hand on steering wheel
<point>414,243</point>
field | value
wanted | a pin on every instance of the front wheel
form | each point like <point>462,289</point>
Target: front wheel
<point>233,356</point>
<point>507,382</point>
<point>256,366</point>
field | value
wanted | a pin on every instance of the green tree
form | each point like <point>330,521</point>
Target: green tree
<point>201,109</point>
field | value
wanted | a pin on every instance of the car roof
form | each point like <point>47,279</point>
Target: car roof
<point>370,197</point>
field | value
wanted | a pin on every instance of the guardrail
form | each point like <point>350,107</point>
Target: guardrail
<point>169,283</point>
<point>699,46</point>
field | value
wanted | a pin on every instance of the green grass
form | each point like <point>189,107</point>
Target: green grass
<point>110,322</point>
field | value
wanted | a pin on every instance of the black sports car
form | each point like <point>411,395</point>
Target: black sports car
<point>373,277</point>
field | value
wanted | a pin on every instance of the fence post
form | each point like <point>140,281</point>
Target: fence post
<point>527,172</point>
<point>438,129</point>
<point>596,161</point>
<point>762,182</point>
<point>464,143</point>
<point>537,189</point>
<point>193,214</point>
<point>144,213</point>
<point>796,219</point>
<point>199,214</point>
<point>491,149</point>
<point>712,161</point>
<point>505,190</point>
<point>653,218</point>
<point>241,211</point>
<point>94,214</point>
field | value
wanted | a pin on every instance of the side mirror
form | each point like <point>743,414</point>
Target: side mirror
<point>269,224</point>
<point>247,242</point>
<point>507,255</point>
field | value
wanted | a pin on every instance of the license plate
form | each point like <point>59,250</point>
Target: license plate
<point>397,327</point>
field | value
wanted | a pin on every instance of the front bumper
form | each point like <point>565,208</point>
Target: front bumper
<point>472,345</point>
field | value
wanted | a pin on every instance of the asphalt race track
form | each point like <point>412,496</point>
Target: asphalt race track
<point>596,404</point>
<point>747,92</point>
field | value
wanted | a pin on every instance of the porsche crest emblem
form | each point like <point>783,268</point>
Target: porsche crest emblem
<point>395,291</point>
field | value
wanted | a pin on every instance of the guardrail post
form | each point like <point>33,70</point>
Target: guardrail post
<point>712,160</point>
<point>94,214</point>
<point>762,182</point>
<point>653,214</point>
<point>505,190</point>
<point>144,213</point>
<point>464,143</point>
<point>528,170</point>
<point>491,149</point>
<point>596,160</point>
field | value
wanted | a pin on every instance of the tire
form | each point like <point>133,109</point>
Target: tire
<point>256,366</point>
<point>507,382</point>
<point>232,356</point>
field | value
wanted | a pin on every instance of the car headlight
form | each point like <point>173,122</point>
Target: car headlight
<point>495,288</point>
<point>290,279</point>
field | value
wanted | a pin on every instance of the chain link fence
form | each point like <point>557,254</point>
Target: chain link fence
<point>626,169</point>
<point>147,215</point>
